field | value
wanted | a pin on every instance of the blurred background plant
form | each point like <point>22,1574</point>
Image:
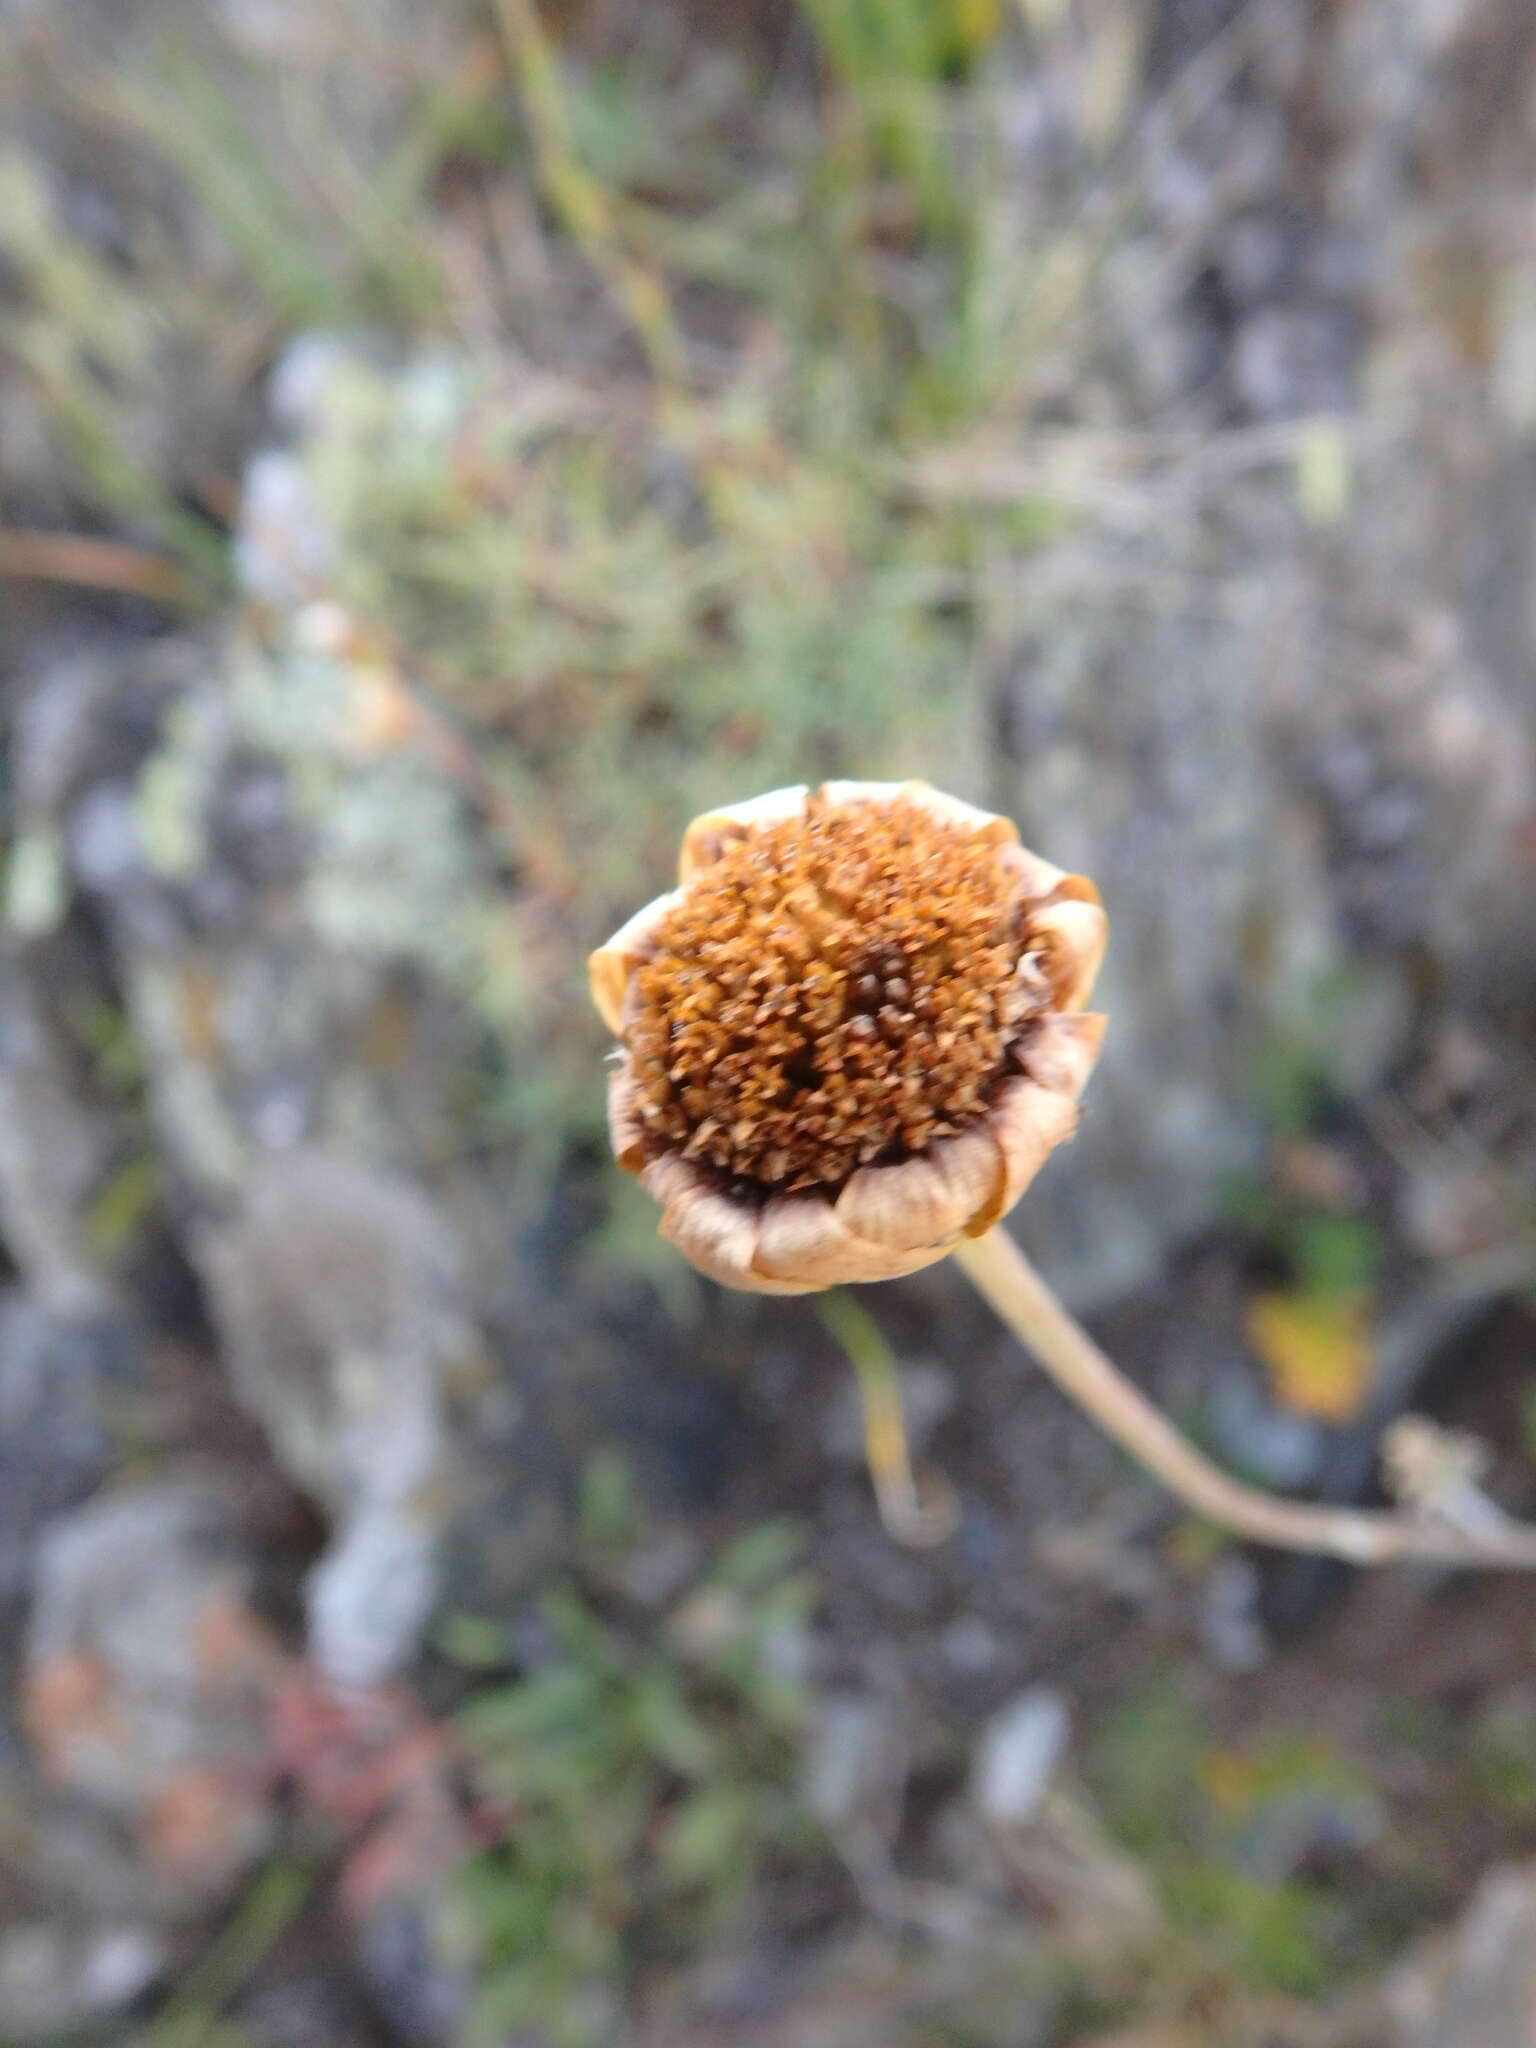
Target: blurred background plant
<point>648,1784</point>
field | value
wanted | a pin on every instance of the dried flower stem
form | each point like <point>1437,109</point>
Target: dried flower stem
<point>1004,1277</point>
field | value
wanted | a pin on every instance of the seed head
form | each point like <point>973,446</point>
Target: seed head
<point>851,1034</point>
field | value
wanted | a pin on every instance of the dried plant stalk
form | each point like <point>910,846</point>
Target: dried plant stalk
<point>1004,1277</point>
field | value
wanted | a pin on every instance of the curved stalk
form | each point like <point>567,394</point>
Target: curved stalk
<point>1004,1278</point>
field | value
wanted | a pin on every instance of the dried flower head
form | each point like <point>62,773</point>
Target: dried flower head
<point>851,1034</point>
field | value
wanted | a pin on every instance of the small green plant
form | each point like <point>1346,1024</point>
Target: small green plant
<point>1206,1823</point>
<point>646,1778</point>
<point>891,58</point>
<point>195,2014</point>
<point>700,559</point>
<point>1500,1762</point>
<point>91,349</point>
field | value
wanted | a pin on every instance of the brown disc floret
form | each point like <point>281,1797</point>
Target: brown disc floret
<point>851,1035</point>
<point>839,989</point>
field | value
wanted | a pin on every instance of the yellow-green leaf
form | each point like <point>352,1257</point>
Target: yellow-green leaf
<point>1317,1350</point>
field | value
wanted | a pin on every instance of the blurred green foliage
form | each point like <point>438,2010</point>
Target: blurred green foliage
<point>1210,1826</point>
<point>621,466</point>
<point>93,344</point>
<point>1500,1759</point>
<point>194,2014</point>
<point>647,1774</point>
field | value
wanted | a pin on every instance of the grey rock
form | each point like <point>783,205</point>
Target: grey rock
<point>1258,737</point>
<point>127,1580</point>
<point>86,713</point>
<point>56,1145</point>
<point>371,1595</point>
<point>147,1687</point>
<point>55,730</point>
<point>338,1292</point>
<point>104,841</point>
<point>56,1979</point>
<point>308,2005</point>
<point>1276,1445</point>
<point>304,376</point>
<point>427,1999</point>
<point>261,892</point>
<point>970,1646</point>
<point>53,1443</point>
<point>854,1760</point>
<point>1477,1984</point>
<point>1294,361</point>
<point>1231,1632</point>
<point>1020,1750</point>
<point>285,549</point>
<point>257,892</point>
<point>285,552</point>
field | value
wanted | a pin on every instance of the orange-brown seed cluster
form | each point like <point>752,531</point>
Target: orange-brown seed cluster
<point>837,990</point>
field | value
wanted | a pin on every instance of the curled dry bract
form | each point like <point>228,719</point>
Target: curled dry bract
<point>893,1214</point>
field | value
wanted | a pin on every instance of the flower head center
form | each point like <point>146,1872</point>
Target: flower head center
<point>838,989</point>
